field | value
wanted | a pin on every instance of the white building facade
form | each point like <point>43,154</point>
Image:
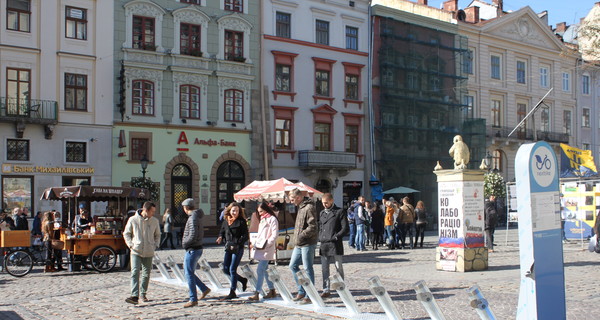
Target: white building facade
<point>315,58</point>
<point>55,97</point>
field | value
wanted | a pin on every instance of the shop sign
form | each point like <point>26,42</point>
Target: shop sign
<point>352,184</point>
<point>12,168</point>
<point>183,139</point>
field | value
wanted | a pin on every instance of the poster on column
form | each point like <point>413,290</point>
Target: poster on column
<point>450,218</point>
<point>473,214</point>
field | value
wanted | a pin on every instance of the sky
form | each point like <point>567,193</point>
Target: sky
<point>569,11</point>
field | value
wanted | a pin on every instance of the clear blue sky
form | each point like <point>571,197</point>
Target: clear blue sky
<point>569,11</point>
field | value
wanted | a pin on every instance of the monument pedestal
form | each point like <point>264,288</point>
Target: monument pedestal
<point>461,221</point>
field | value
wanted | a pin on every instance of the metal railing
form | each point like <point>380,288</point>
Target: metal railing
<point>326,159</point>
<point>527,134</point>
<point>28,109</point>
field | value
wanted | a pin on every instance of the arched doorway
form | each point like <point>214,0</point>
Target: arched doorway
<point>181,188</point>
<point>230,179</point>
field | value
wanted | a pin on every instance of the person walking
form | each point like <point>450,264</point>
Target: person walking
<point>421,213</point>
<point>142,236</point>
<point>361,221</point>
<point>167,229</point>
<point>333,226</point>
<point>305,238</point>
<point>263,249</point>
<point>408,222</point>
<point>234,230</point>
<point>36,228</point>
<point>377,225</point>
<point>389,224</point>
<point>491,218</point>
<point>192,242</point>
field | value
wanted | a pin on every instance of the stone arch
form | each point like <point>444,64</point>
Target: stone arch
<point>182,158</point>
<point>229,156</point>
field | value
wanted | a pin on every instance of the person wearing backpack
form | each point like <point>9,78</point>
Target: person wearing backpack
<point>351,224</point>
<point>491,218</point>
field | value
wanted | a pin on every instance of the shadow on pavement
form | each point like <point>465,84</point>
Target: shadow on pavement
<point>504,267</point>
<point>9,315</point>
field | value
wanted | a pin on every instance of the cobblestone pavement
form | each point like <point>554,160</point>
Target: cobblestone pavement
<point>89,295</point>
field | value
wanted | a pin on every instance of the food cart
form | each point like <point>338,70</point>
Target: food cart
<point>98,247</point>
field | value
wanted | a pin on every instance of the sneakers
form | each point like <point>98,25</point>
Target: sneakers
<point>132,300</point>
<point>298,297</point>
<point>190,304</point>
<point>325,294</point>
<point>204,294</point>
<point>304,301</point>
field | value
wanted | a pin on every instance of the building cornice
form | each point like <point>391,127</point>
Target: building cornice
<point>315,45</point>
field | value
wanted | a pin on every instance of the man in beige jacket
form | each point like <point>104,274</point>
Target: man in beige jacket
<point>142,236</point>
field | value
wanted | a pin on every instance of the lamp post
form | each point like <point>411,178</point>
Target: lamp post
<point>144,163</point>
<point>488,161</point>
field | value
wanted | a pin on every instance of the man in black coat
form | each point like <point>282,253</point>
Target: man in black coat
<point>491,218</point>
<point>333,226</point>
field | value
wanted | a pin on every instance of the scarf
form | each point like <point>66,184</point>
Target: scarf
<point>264,215</point>
<point>230,219</point>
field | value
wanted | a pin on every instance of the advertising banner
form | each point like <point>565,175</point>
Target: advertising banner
<point>461,218</point>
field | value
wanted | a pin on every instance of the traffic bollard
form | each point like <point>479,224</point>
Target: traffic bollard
<point>161,267</point>
<point>210,275</point>
<point>248,273</point>
<point>337,283</point>
<point>426,297</point>
<point>176,270</point>
<point>284,292</point>
<point>384,299</point>
<point>310,289</point>
<point>480,304</point>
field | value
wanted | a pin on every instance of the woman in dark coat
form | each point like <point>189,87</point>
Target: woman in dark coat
<point>376,225</point>
<point>234,231</point>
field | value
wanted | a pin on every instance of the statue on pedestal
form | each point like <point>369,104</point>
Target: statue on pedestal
<point>460,153</point>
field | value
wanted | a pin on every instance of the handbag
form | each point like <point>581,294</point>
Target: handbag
<point>260,244</point>
<point>232,247</point>
<point>58,245</point>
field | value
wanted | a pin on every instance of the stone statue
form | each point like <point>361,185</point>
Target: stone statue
<point>460,153</point>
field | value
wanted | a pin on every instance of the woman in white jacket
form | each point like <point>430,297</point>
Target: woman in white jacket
<point>263,248</point>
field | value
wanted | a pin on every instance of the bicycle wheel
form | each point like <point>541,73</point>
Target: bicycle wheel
<point>18,263</point>
<point>103,259</point>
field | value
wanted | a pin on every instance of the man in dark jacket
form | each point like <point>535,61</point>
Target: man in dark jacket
<point>333,226</point>
<point>491,218</point>
<point>305,240</point>
<point>192,242</point>
<point>20,218</point>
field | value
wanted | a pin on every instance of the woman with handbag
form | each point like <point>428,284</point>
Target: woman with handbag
<point>48,231</point>
<point>235,232</point>
<point>263,249</point>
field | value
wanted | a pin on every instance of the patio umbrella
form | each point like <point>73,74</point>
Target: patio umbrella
<point>272,190</point>
<point>400,190</point>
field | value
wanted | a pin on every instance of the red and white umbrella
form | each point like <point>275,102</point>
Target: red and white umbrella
<point>273,190</point>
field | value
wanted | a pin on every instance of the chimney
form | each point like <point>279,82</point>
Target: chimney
<point>451,5</point>
<point>472,14</point>
<point>498,4</point>
<point>423,2</point>
<point>561,27</point>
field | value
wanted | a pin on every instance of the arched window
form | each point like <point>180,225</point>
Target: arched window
<point>497,160</point>
<point>181,188</point>
<point>234,105</point>
<point>189,102</point>
<point>143,97</point>
<point>230,179</point>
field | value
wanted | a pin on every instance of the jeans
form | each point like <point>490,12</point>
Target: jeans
<point>325,262</point>
<point>407,228</point>
<point>306,255</point>
<point>168,236</point>
<point>230,265</point>
<point>489,237</point>
<point>390,238</point>
<point>352,234</point>
<point>360,236</point>
<point>145,265</point>
<point>261,273</point>
<point>189,265</point>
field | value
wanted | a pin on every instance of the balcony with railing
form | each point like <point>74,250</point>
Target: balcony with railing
<point>311,159</point>
<point>526,134</point>
<point>28,110</point>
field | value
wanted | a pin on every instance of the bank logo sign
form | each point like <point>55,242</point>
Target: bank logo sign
<point>543,167</point>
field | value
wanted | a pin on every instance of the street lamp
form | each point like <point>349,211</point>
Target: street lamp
<point>144,163</point>
<point>488,160</point>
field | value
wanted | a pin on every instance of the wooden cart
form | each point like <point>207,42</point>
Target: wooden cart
<point>98,251</point>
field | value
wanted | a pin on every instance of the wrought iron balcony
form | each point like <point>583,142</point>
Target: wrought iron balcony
<point>326,159</point>
<point>28,110</point>
<point>527,134</point>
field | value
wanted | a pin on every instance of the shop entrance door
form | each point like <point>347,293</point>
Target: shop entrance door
<point>181,188</point>
<point>230,179</point>
<point>351,191</point>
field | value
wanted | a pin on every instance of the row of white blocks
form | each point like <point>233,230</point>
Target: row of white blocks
<point>424,295</point>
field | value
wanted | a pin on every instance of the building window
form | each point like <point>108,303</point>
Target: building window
<point>322,134</point>
<point>585,85</point>
<point>17,191</point>
<point>18,15</point>
<point>191,1</point>
<point>412,81</point>
<point>351,87</point>
<point>521,113</point>
<point>586,146</point>
<point>521,73</point>
<point>495,65</point>
<point>496,109</point>
<point>434,83</point>
<point>545,119</point>
<point>322,32</point>
<point>468,62</point>
<point>139,148</point>
<point>75,92</point>
<point>351,141</point>
<point>467,108</point>
<point>351,38</point>
<point>585,118</point>
<point>234,5</point>
<point>189,37</point>
<point>283,133</point>
<point>234,45</point>
<point>143,33</point>
<point>283,25</point>
<point>283,77</point>
<point>234,105</point>
<point>76,151</point>
<point>322,83</point>
<point>17,150</point>
<point>497,160</point>
<point>143,97</point>
<point>567,121</point>
<point>566,83</point>
<point>189,102</point>
<point>543,77</point>
<point>18,83</point>
<point>76,23</point>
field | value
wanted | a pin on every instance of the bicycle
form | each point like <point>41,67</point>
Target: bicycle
<point>18,262</point>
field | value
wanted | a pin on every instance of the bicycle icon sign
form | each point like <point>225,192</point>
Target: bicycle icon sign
<point>542,163</point>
